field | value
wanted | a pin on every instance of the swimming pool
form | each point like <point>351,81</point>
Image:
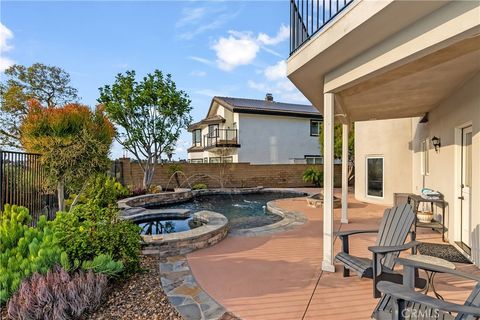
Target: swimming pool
<point>243,211</point>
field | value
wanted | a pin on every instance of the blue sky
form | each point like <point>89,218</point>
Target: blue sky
<point>233,48</point>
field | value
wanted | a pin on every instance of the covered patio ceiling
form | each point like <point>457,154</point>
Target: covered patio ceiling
<point>414,88</point>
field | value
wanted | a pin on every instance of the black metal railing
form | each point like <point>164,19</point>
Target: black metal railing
<point>221,138</point>
<point>309,16</point>
<point>22,182</point>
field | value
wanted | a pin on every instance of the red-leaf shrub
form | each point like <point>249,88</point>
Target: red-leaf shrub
<point>58,295</point>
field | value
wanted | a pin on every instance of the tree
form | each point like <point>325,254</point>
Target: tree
<point>337,146</point>
<point>49,85</point>
<point>150,113</point>
<point>74,143</point>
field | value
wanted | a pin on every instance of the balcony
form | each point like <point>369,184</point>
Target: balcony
<point>307,17</point>
<point>221,138</point>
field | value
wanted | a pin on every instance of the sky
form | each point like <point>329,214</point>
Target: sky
<point>227,48</point>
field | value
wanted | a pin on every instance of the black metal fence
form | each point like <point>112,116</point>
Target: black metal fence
<point>22,182</point>
<point>309,16</point>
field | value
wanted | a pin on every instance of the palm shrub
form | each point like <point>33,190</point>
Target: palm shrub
<point>24,250</point>
<point>313,175</point>
<point>58,295</point>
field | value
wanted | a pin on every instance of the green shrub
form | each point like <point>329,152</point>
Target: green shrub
<point>89,231</point>
<point>101,190</point>
<point>105,264</point>
<point>313,175</point>
<point>24,250</point>
<point>199,186</point>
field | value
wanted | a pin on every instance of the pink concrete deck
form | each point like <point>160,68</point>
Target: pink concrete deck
<point>273,277</point>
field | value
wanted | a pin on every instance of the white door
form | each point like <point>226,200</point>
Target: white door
<point>466,187</point>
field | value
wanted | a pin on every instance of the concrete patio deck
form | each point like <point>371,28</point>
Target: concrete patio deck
<point>273,277</point>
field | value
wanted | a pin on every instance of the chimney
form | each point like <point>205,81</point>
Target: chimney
<point>269,97</point>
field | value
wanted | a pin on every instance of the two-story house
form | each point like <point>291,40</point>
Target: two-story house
<point>256,131</point>
<point>407,73</point>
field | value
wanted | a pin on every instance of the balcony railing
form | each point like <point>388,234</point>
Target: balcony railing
<point>309,16</point>
<point>221,138</point>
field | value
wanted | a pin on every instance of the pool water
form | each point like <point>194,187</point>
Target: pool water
<point>242,210</point>
<point>165,225</point>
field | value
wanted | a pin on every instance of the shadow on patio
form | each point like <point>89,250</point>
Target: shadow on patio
<point>273,277</point>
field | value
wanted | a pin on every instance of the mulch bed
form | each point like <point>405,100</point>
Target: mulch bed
<point>139,297</point>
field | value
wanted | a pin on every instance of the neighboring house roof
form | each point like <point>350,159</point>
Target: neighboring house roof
<point>210,120</point>
<point>241,105</point>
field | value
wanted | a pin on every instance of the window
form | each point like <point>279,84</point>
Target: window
<point>228,159</point>
<point>196,160</point>
<point>315,128</point>
<point>213,130</point>
<point>314,159</point>
<point>205,160</point>
<point>375,177</point>
<point>197,138</point>
<point>215,159</point>
<point>424,164</point>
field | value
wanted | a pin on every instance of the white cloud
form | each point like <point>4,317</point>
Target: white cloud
<point>191,16</point>
<point>5,36</point>
<point>282,35</point>
<point>241,48</point>
<point>277,71</point>
<point>201,60</point>
<point>197,73</point>
<point>210,93</point>
<point>238,49</point>
<point>5,63</point>
<point>195,21</point>
<point>282,90</point>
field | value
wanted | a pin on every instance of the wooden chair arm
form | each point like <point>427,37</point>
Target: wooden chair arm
<point>403,293</point>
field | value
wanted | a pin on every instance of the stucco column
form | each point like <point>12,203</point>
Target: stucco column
<point>328,122</point>
<point>345,130</point>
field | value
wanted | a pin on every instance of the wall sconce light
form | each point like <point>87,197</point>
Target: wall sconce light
<point>436,143</point>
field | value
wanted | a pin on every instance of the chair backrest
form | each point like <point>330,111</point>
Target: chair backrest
<point>473,300</point>
<point>394,228</point>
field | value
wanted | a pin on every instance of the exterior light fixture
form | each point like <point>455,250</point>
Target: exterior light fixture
<point>436,143</point>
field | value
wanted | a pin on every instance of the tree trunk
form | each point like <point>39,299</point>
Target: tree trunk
<point>61,195</point>
<point>148,176</point>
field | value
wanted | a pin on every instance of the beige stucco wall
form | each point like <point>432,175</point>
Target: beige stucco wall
<point>390,139</point>
<point>398,141</point>
<point>445,122</point>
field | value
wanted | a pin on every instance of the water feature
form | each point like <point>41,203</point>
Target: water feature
<point>242,210</point>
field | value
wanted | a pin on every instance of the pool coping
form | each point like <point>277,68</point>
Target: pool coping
<point>216,226</point>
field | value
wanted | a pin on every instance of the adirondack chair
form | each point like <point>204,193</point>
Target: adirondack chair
<point>401,302</point>
<point>394,228</point>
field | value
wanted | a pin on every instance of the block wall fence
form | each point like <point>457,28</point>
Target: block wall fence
<point>234,174</point>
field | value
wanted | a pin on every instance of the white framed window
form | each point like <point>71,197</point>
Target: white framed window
<point>315,128</point>
<point>215,159</point>
<point>197,138</point>
<point>228,159</point>
<point>196,160</point>
<point>313,159</point>
<point>375,176</point>
<point>424,158</point>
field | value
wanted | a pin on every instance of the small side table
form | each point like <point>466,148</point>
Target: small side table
<point>430,273</point>
<point>415,200</point>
